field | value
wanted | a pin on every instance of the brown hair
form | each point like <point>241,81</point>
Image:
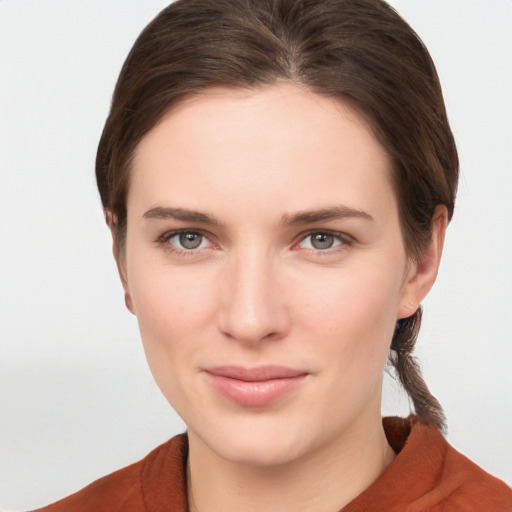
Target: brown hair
<point>360,51</point>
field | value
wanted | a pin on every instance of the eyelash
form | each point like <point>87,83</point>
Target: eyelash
<point>344,239</point>
<point>166,237</point>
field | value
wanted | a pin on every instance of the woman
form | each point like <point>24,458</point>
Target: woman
<point>278,177</point>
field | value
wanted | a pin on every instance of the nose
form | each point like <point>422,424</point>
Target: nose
<point>253,307</point>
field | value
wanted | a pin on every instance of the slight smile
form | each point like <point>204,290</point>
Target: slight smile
<point>254,387</point>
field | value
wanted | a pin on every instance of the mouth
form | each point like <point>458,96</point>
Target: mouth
<point>255,387</point>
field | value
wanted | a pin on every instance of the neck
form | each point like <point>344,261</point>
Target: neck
<point>322,481</point>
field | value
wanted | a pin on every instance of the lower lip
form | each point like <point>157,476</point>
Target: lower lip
<point>255,393</point>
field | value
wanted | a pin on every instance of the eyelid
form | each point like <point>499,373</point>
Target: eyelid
<point>346,240</point>
<point>165,237</point>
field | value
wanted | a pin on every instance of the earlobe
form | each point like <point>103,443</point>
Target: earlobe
<point>119,258</point>
<point>423,273</point>
<point>128,302</point>
<point>411,308</point>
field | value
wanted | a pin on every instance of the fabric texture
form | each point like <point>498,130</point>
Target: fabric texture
<point>428,475</point>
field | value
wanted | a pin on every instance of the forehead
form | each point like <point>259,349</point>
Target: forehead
<point>268,144</point>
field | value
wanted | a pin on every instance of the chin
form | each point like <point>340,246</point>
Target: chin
<point>260,453</point>
<point>258,442</point>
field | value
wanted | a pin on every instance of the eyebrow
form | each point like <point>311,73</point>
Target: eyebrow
<point>181,214</point>
<point>324,214</point>
<point>299,218</point>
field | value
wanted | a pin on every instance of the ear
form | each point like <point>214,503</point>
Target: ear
<point>119,256</point>
<point>423,273</point>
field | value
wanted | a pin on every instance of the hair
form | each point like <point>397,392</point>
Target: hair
<point>357,51</point>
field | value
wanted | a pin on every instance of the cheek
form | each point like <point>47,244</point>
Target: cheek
<point>356,299</point>
<point>173,312</point>
<point>353,314</point>
<point>169,306</point>
<point>174,306</point>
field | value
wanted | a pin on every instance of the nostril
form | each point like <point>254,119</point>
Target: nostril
<point>250,310</point>
<point>250,324</point>
<point>248,332</point>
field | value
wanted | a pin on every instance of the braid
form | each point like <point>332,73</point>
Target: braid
<point>408,370</point>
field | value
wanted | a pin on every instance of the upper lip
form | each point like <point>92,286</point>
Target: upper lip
<point>257,374</point>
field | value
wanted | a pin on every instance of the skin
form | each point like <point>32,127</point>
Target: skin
<point>257,290</point>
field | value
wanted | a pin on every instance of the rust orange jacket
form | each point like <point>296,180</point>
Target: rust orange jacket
<point>428,475</point>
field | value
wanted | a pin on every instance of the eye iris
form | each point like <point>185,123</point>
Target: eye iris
<point>190,240</point>
<point>322,241</point>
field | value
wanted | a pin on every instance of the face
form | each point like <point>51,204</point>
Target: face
<point>266,267</point>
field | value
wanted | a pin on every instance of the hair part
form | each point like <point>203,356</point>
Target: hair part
<point>357,51</point>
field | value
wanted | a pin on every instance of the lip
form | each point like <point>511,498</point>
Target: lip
<point>255,387</point>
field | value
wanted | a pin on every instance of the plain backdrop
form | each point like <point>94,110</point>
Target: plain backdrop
<point>77,400</point>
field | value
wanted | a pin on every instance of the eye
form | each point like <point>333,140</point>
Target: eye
<point>189,240</point>
<point>323,240</point>
<point>185,240</point>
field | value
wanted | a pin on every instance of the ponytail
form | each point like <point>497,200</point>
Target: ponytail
<point>426,406</point>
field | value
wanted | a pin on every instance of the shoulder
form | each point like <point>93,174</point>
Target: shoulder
<point>136,488</point>
<point>451,482</point>
<point>429,475</point>
<point>468,487</point>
